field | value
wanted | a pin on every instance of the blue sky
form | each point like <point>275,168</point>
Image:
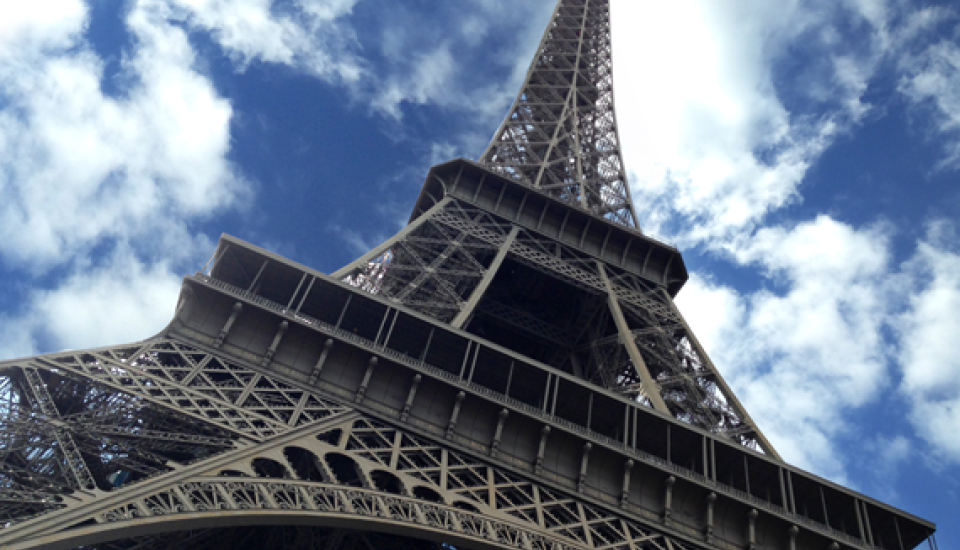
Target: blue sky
<point>804,154</point>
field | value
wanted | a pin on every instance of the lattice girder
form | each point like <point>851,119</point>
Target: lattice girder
<point>561,134</point>
<point>312,467</point>
<point>118,422</point>
<point>426,274</point>
<point>503,511</point>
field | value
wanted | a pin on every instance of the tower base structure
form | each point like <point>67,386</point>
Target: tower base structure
<point>285,407</point>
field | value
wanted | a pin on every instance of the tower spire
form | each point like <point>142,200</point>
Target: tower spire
<point>561,133</point>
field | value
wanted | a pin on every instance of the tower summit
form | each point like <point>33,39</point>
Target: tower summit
<point>508,371</point>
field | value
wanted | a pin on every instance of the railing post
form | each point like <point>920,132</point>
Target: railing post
<point>625,490</point>
<point>272,350</point>
<point>668,500</point>
<point>584,463</point>
<point>544,433</point>
<point>711,500</point>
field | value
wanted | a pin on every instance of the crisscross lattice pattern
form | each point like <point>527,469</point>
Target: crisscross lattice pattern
<point>561,133</point>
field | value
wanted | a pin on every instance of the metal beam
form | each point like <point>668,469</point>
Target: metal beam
<point>650,387</point>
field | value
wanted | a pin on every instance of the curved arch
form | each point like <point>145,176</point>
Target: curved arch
<point>345,469</point>
<point>368,510</point>
<point>427,494</point>
<point>267,467</point>
<point>387,482</point>
<point>306,465</point>
<point>464,505</point>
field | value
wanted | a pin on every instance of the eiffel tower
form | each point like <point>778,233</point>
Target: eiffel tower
<point>508,371</point>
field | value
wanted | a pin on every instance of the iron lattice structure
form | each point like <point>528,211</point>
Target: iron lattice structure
<point>509,371</point>
<point>475,268</point>
<point>560,138</point>
<point>561,133</point>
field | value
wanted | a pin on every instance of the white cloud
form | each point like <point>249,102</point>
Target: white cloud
<point>427,80</point>
<point>929,331</point>
<point>815,332</point>
<point>120,300</point>
<point>318,38</point>
<point>719,133</point>
<point>40,24</point>
<point>78,167</point>
<point>426,71</point>
<point>104,188</point>
<point>705,134</point>
<point>355,240</point>
<point>932,80</point>
<point>16,338</point>
<point>809,346</point>
<point>302,34</point>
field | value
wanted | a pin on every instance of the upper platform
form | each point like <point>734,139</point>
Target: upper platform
<point>536,210</point>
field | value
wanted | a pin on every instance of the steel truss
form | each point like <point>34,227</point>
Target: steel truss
<point>438,266</point>
<point>249,448</point>
<point>561,133</point>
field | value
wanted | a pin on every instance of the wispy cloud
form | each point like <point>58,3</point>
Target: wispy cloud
<point>718,136</point>
<point>438,68</point>
<point>929,331</point>
<point>99,193</point>
<point>305,35</point>
<point>932,81</point>
<point>815,331</point>
<point>80,168</point>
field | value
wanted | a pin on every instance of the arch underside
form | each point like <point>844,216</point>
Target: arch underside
<point>382,522</point>
<point>273,537</point>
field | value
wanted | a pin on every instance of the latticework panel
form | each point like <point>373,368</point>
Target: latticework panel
<point>434,268</point>
<point>370,470</point>
<point>84,421</point>
<point>437,264</point>
<point>67,435</point>
<point>327,463</point>
<point>472,484</point>
<point>561,133</point>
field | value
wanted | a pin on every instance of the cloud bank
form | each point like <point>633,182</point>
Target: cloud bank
<point>719,138</point>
